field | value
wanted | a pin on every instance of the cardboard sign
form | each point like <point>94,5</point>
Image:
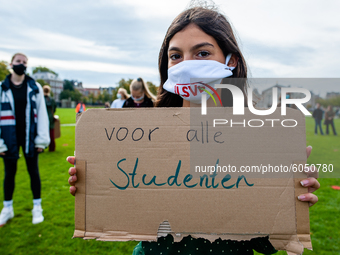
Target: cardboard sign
<point>143,173</point>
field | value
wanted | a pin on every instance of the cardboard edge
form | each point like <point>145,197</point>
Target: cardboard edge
<point>78,117</point>
<point>80,200</point>
<point>302,238</point>
<point>302,210</point>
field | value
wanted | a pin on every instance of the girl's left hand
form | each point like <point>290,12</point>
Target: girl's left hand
<point>40,150</point>
<point>311,182</point>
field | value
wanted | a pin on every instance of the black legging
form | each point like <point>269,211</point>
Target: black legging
<point>10,171</point>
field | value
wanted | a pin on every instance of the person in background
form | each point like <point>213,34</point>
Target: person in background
<point>317,115</point>
<point>107,104</point>
<point>329,119</point>
<point>80,107</point>
<point>140,95</point>
<point>122,95</point>
<point>23,122</point>
<point>51,109</point>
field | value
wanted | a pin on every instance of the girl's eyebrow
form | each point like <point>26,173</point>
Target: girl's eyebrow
<point>197,46</point>
<point>174,48</point>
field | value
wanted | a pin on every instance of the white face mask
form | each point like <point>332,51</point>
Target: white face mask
<point>191,78</point>
<point>137,99</point>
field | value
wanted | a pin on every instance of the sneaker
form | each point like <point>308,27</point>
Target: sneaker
<point>7,213</point>
<point>37,215</point>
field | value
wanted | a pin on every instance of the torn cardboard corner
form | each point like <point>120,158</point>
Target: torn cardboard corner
<point>137,180</point>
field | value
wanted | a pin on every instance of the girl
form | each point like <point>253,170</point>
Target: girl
<point>200,34</point>
<point>122,95</point>
<point>24,122</point>
<point>140,95</point>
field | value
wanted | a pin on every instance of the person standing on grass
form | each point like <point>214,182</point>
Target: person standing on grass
<point>51,108</point>
<point>122,95</point>
<point>23,122</point>
<point>201,39</point>
<point>317,115</point>
<point>329,119</point>
<point>80,107</point>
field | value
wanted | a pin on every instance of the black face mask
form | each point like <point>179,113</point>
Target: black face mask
<point>19,69</point>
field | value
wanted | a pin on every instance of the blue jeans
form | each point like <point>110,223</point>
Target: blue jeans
<point>318,124</point>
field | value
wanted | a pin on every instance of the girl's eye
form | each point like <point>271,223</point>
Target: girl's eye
<point>203,54</point>
<point>175,56</point>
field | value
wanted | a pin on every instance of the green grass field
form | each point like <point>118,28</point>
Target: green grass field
<point>54,235</point>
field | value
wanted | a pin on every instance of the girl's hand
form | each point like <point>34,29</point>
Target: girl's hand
<point>311,182</point>
<point>73,178</point>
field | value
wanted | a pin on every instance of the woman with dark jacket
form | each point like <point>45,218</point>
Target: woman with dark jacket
<point>140,95</point>
<point>23,122</point>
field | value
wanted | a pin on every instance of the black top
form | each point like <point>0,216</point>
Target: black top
<point>20,101</point>
<point>129,103</point>
<point>317,114</point>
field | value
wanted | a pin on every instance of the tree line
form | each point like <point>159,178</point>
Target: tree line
<point>70,92</point>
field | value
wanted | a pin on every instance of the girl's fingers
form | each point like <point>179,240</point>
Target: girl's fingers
<point>311,183</point>
<point>73,190</point>
<point>72,171</point>
<point>309,150</point>
<point>72,180</point>
<point>71,159</point>
<point>309,197</point>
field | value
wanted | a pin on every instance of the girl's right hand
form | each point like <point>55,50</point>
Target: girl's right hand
<point>73,178</point>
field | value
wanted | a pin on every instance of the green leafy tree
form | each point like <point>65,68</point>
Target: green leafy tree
<point>125,84</point>
<point>77,96</point>
<point>74,95</point>
<point>106,96</point>
<point>100,98</point>
<point>152,87</point>
<point>334,101</point>
<point>68,85</point>
<point>85,100</point>
<point>43,69</point>
<point>3,70</point>
<point>92,98</point>
<point>65,94</point>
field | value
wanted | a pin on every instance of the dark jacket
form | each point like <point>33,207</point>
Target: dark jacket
<point>36,117</point>
<point>317,114</point>
<point>51,109</point>
<point>130,104</point>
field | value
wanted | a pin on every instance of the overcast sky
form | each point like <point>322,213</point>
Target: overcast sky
<point>99,42</point>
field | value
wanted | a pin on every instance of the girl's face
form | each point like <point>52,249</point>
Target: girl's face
<point>191,43</point>
<point>19,59</point>
<point>137,94</point>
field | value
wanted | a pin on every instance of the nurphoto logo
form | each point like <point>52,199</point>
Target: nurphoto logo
<point>238,100</point>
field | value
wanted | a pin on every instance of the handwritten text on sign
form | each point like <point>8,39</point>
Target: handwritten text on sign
<point>131,180</point>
